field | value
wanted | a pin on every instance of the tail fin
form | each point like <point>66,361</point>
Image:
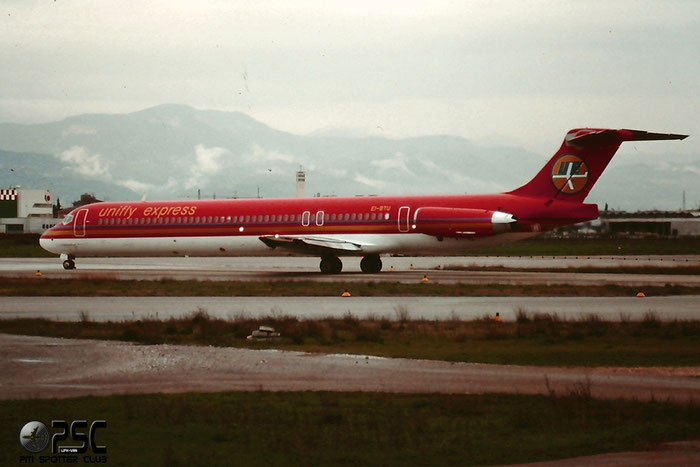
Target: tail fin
<point>585,153</point>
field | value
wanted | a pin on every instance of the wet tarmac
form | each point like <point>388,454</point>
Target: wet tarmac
<point>466,308</point>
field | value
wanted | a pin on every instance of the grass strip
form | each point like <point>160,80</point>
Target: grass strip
<point>322,428</point>
<point>533,339</point>
<point>101,287</point>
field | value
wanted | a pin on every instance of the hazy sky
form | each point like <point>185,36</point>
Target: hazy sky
<point>511,71</point>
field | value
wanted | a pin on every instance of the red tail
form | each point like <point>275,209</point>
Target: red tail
<point>583,156</point>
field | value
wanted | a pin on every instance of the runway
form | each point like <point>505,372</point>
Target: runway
<point>405,269</point>
<point>686,307</point>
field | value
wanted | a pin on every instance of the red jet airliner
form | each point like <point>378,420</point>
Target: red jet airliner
<point>349,226</point>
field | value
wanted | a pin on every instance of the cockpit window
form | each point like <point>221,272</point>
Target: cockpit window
<point>68,219</point>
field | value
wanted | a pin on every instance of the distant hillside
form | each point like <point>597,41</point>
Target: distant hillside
<point>171,151</point>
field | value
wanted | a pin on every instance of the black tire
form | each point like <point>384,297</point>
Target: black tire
<point>331,265</point>
<point>69,264</point>
<point>371,264</point>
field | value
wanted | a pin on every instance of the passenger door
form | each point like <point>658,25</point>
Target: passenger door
<point>80,221</point>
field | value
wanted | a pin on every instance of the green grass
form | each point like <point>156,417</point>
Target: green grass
<point>322,428</point>
<point>531,340</point>
<point>22,246</point>
<point>101,287</point>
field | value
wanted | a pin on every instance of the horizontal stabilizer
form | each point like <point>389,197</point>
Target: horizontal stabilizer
<point>592,137</point>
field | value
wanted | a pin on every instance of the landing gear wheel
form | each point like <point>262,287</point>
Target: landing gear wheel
<point>69,264</point>
<point>371,264</point>
<point>331,265</point>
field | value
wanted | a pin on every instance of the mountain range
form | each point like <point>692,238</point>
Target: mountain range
<point>175,152</point>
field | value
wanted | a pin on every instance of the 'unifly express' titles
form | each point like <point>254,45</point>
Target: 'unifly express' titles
<point>127,212</point>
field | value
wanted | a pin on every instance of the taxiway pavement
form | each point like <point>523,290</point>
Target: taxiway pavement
<point>683,307</point>
<point>405,269</point>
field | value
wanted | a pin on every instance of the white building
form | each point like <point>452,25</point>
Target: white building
<point>26,211</point>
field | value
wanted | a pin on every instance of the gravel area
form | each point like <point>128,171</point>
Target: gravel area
<point>40,367</point>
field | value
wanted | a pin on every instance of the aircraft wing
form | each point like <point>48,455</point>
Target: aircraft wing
<point>312,244</point>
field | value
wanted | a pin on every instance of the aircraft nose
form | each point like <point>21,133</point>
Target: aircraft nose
<point>46,240</point>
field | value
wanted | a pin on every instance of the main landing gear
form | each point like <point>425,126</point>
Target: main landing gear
<point>69,263</point>
<point>331,265</point>
<point>370,264</point>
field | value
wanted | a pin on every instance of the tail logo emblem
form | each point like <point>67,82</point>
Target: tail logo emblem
<point>569,174</point>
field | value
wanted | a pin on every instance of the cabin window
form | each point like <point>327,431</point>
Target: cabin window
<point>267,218</point>
<point>99,222</point>
<point>353,216</point>
<point>386,216</point>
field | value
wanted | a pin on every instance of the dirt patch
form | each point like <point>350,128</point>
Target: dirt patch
<point>39,367</point>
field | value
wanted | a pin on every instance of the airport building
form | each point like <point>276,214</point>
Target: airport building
<point>656,224</point>
<point>24,210</point>
<point>652,224</point>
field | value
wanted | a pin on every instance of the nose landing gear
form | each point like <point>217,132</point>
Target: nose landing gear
<point>69,263</point>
